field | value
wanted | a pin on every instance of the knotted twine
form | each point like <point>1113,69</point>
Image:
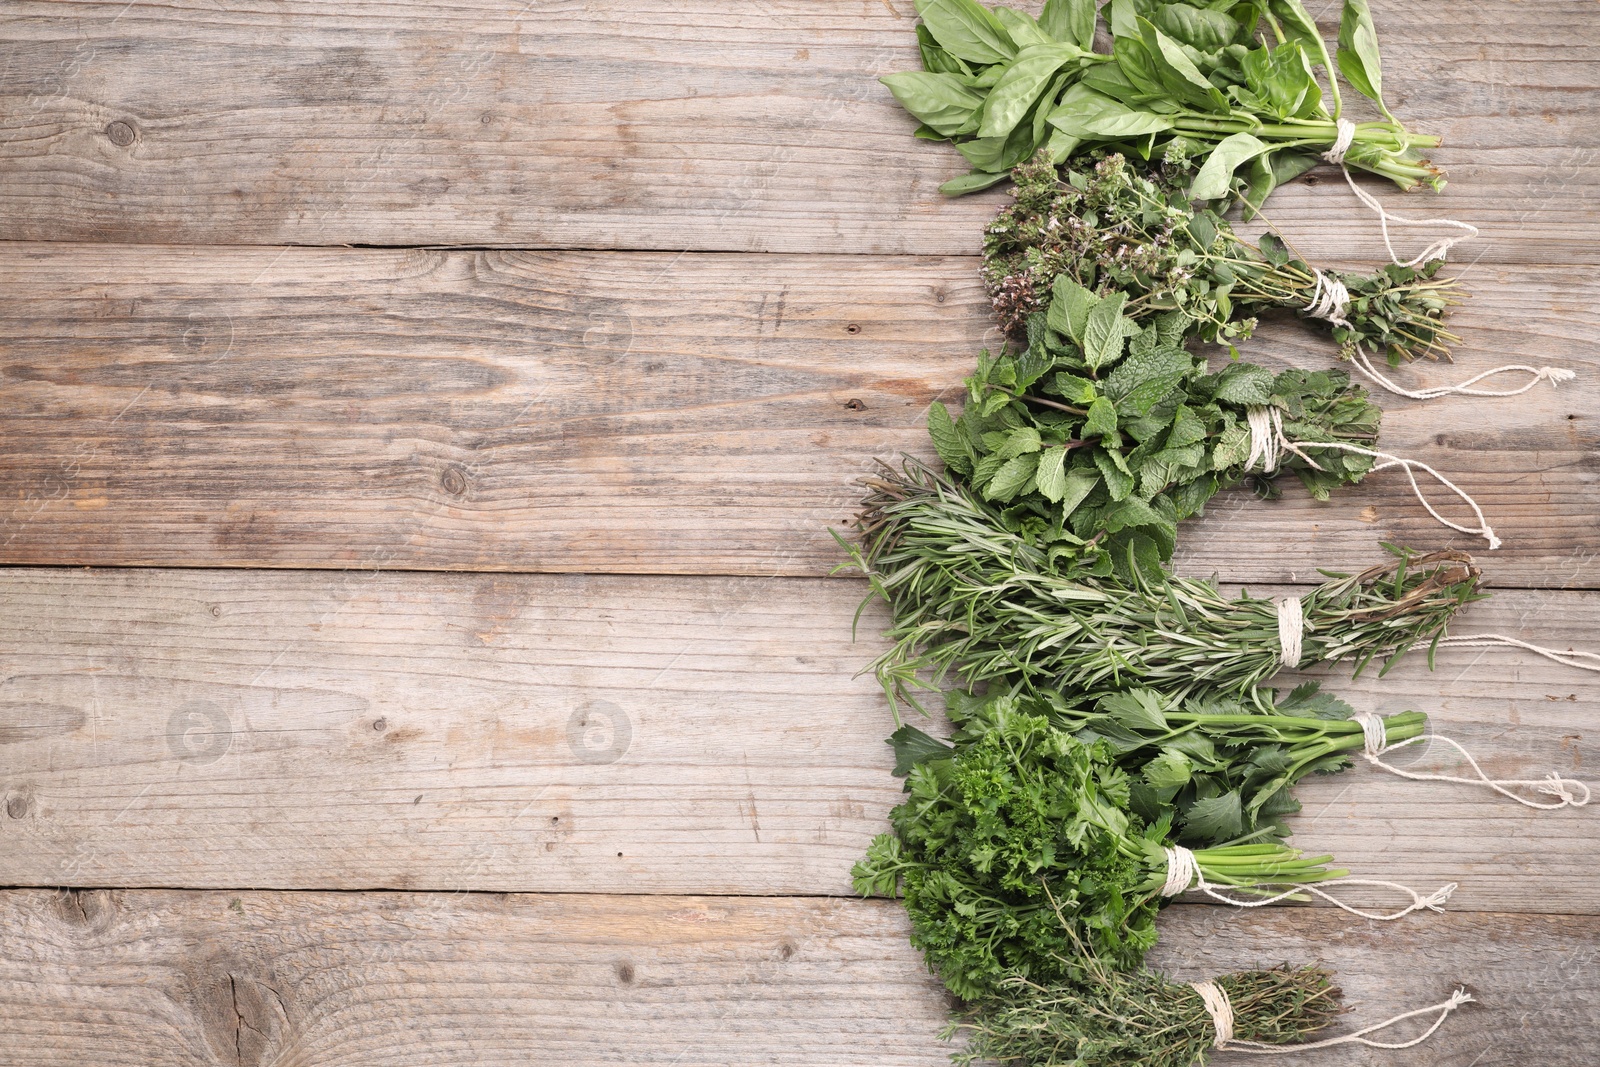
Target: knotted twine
<point>1330,300</point>
<point>1569,791</point>
<point>1291,635</point>
<point>1215,999</point>
<point>1267,445</point>
<point>1183,873</point>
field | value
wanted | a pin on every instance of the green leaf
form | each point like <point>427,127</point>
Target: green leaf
<point>1299,26</point>
<point>1170,770</point>
<point>1145,378</point>
<point>966,29</point>
<point>1309,701</point>
<point>1080,483</point>
<point>947,440</point>
<point>1245,384</point>
<point>1119,481</point>
<point>1358,51</point>
<point>1102,420</point>
<point>1019,88</point>
<point>1012,477</point>
<point>1084,113</point>
<point>1021,27</point>
<point>1070,304</point>
<point>1200,28</point>
<point>1020,442</point>
<point>972,183</point>
<point>1050,476</point>
<point>1139,709</point>
<point>1216,819</point>
<point>1187,428</point>
<point>1069,20</point>
<point>1103,333</point>
<point>936,60</point>
<point>912,746</point>
<point>1178,73</point>
<point>1273,248</point>
<point>1076,390</point>
<point>942,101</point>
<point>1216,175</point>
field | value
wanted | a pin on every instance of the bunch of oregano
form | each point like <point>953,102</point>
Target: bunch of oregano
<point>1110,226</point>
<point>1232,83</point>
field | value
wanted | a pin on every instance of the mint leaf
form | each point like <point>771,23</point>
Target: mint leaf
<point>1103,334</point>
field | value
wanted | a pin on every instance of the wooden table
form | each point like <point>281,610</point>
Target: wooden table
<point>422,427</point>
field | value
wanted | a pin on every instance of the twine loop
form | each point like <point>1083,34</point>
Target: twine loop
<point>1183,872</point>
<point>1219,1008</point>
<point>1215,999</point>
<point>1567,792</point>
<point>1291,629</point>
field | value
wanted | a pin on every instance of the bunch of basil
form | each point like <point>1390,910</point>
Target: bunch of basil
<point>1182,78</point>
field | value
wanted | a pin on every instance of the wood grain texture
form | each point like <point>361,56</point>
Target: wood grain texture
<point>646,735</point>
<point>644,413</point>
<point>669,124</point>
<point>184,979</point>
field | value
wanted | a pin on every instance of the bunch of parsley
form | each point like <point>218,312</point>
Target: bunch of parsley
<point>1021,842</point>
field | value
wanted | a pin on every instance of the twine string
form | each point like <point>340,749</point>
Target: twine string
<point>1183,873</point>
<point>1270,423</point>
<point>1344,136</point>
<point>1569,792</point>
<point>1217,1005</point>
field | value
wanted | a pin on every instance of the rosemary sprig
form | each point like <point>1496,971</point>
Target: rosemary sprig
<point>970,596</point>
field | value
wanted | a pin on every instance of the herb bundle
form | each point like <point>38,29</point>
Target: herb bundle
<point>1021,843</point>
<point>1112,430</point>
<point>1137,1018</point>
<point>1110,227</point>
<point>1180,79</point>
<point>1220,771</point>
<point>968,594</point>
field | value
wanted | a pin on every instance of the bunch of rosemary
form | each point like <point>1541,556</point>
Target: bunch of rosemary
<point>1109,227</point>
<point>1181,78</point>
<point>968,594</point>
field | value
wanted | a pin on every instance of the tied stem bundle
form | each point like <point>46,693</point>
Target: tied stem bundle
<point>968,595</point>
<point>1109,226</point>
<point>1139,1018</point>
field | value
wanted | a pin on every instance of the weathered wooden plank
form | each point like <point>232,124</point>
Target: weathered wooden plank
<point>663,125</point>
<point>301,730</point>
<point>166,978</point>
<point>652,413</point>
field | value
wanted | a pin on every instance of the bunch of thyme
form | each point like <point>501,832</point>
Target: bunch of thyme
<point>1138,1018</point>
<point>1110,227</point>
<point>969,595</point>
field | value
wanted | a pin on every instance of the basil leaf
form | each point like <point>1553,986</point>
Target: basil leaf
<point>971,183</point>
<point>966,29</point>
<point>1181,77</point>
<point>1199,28</point>
<point>1358,51</point>
<point>1298,25</point>
<point>1122,16</point>
<point>936,60</point>
<point>1021,27</point>
<point>1019,88</point>
<point>1084,113</point>
<point>941,101</point>
<point>1071,21</point>
<point>1217,174</point>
